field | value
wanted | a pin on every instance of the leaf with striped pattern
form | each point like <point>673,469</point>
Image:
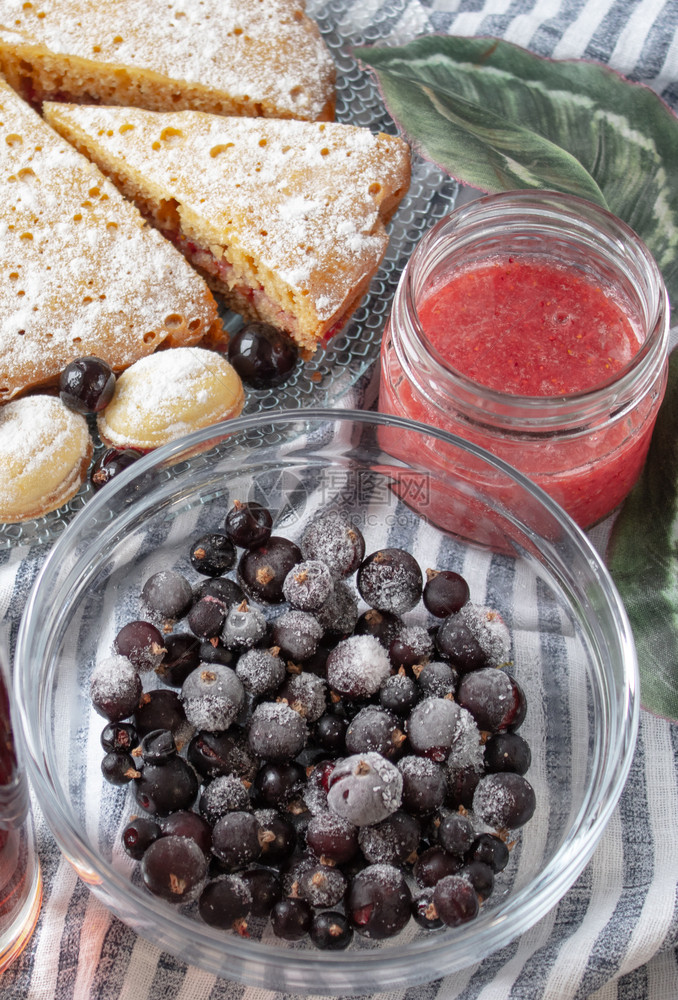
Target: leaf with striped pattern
<point>498,117</point>
<point>643,559</point>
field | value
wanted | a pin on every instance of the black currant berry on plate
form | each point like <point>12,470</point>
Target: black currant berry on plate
<point>445,592</point>
<point>111,463</point>
<point>142,644</point>
<point>173,867</point>
<point>378,901</point>
<point>87,384</point>
<point>330,931</point>
<point>455,900</point>
<point>167,593</point>
<point>248,524</point>
<point>225,902</point>
<point>115,688</point>
<point>139,834</point>
<point>334,540</point>
<point>262,355</point>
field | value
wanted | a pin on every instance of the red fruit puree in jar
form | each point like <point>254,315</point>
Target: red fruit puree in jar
<point>528,327</point>
<point>535,325</point>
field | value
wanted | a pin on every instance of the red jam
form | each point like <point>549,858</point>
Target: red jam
<point>534,325</point>
<point>528,327</point>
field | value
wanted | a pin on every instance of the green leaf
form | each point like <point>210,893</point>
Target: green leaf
<point>643,559</point>
<point>498,117</point>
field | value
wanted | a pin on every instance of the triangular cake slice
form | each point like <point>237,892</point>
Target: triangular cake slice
<point>285,219</point>
<point>82,272</point>
<point>229,57</point>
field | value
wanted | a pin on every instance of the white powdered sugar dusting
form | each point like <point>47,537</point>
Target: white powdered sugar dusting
<point>265,54</point>
<point>301,200</point>
<point>82,273</point>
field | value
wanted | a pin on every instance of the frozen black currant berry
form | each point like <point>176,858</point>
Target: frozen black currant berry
<point>261,671</point>
<point>378,901</point>
<point>262,570</point>
<point>213,554</point>
<point>248,524</point>
<point>390,580</point>
<point>504,801</point>
<point>173,868</point>
<point>87,384</point>
<point>212,696</point>
<point>383,625</point>
<point>235,839</point>
<point>291,919</point>
<point>394,841</point>
<point>374,729</point>
<point>226,902</point>
<point>334,540</point>
<point>465,763</point>
<point>364,789</point>
<point>160,709</point>
<point>507,752</point>
<point>111,463</point>
<point>277,784</point>
<point>167,593</point>
<point>214,754</point>
<point>437,679</point>
<point>141,643</point>
<point>308,585</point>
<point>262,355</point>
<point>115,688</point>
<point>357,666</point>
<point>434,864</point>
<point>491,850</point>
<point>481,878</point>
<point>297,634</point>
<point>118,768</point>
<point>244,627</point>
<point>227,793</point>
<point>456,833</point>
<point>331,839</point>
<point>330,733</point>
<point>225,589</point>
<point>322,886</point>
<point>186,823</point>
<point>266,888</point>
<point>399,694</point>
<point>139,834</point>
<point>182,656</point>
<point>339,613</point>
<point>207,616</point>
<point>166,787</point>
<point>431,727</point>
<point>119,736</point>
<point>158,746</point>
<point>455,900</point>
<point>424,784</point>
<point>330,931</point>
<point>475,636</point>
<point>488,694</point>
<point>277,836</point>
<point>412,646</point>
<point>213,651</point>
<point>306,694</point>
<point>276,732</point>
<point>424,911</point>
<point>445,592</point>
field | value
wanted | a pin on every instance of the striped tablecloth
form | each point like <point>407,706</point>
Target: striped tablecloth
<point>614,935</point>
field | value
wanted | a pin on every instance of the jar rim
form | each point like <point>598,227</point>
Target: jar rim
<point>546,210</point>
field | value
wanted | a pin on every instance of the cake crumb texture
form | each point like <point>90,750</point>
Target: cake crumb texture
<point>80,271</point>
<point>244,57</point>
<point>286,219</point>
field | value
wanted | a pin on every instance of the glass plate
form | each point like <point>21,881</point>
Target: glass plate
<point>337,367</point>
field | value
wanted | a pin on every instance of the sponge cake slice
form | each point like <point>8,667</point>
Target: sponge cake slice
<point>234,57</point>
<point>81,272</point>
<point>285,219</point>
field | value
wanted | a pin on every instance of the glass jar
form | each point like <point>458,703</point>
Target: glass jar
<point>586,449</point>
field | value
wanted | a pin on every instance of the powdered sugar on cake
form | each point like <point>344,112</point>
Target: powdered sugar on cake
<point>267,54</point>
<point>82,273</point>
<point>294,202</point>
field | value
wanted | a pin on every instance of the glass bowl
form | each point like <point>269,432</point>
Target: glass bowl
<point>572,653</point>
